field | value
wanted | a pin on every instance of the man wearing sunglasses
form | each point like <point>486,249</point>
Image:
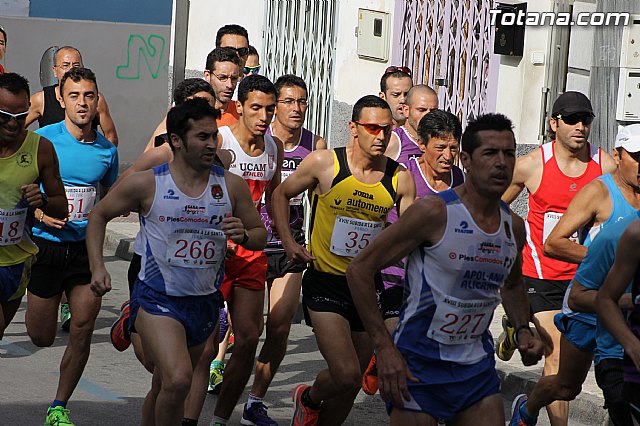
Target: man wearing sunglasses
<point>235,37</point>
<point>252,66</point>
<point>45,105</point>
<point>553,174</point>
<point>26,160</point>
<point>88,161</point>
<point>354,188</point>
<point>256,157</point>
<point>394,87</point>
<point>605,201</point>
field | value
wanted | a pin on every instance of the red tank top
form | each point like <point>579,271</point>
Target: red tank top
<point>546,207</point>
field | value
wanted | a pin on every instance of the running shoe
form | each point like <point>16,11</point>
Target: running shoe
<point>303,416</point>
<point>120,337</point>
<point>65,316</point>
<point>517,416</point>
<point>231,344</point>
<point>506,342</point>
<point>256,415</point>
<point>216,372</point>
<point>58,416</point>
<point>370,378</point>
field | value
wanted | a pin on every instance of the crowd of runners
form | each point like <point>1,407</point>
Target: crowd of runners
<point>399,245</point>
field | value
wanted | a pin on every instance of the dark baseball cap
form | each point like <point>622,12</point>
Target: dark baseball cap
<point>571,103</point>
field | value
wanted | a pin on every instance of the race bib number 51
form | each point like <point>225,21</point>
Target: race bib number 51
<point>350,236</point>
<point>12,226</point>
<point>196,248</point>
<point>81,200</point>
<point>458,321</point>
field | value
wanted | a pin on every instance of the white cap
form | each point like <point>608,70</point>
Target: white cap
<point>629,138</point>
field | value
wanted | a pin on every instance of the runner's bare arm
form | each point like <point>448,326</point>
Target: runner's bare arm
<point>621,273</point>
<point>393,147</point>
<point>320,143</point>
<point>146,161</point>
<point>582,210</point>
<point>583,299</point>
<point>49,171</point>
<point>36,108</point>
<point>160,129</point>
<point>134,193</point>
<point>516,304</point>
<point>528,169</point>
<point>393,243</point>
<point>245,216</point>
<point>406,193</point>
<point>106,121</point>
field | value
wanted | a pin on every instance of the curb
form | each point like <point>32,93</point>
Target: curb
<point>586,408</point>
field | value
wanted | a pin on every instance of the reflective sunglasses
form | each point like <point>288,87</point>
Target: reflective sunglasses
<point>393,68</point>
<point>241,51</point>
<point>7,116</point>
<point>573,119</point>
<point>251,70</point>
<point>374,128</point>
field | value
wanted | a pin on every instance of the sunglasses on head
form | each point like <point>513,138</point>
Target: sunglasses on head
<point>251,70</point>
<point>393,68</point>
<point>374,128</point>
<point>573,119</point>
<point>241,51</point>
<point>7,116</point>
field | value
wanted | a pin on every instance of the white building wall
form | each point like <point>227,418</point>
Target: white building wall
<point>206,17</point>
<point>580,51</point>
<point>520,82</point>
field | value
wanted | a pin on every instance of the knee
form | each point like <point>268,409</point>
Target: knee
<point>569,391</point>
<point>41,340</point>
<point>177,382</point>
<point>278,328</point>
<point>246,340</point>
<point>347,380</point>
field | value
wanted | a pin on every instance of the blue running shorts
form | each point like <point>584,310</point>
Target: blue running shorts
<point>581,334</point>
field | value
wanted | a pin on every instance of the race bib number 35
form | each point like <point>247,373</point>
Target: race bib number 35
<point>458,321</point>
<point>12,226</point>
<point>351,236</point>
<point>81,200</point>
<point>196,248</point>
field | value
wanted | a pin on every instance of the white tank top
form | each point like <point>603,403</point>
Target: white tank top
<point>453,287</point>
<point>183,246</point>
<point>256,171</point>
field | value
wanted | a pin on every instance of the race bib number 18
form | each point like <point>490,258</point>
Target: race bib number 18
<point>351,236</point>
<point>196,248</point>
<point>12,226</point>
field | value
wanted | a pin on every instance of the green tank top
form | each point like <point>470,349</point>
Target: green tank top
<point>16,217</point>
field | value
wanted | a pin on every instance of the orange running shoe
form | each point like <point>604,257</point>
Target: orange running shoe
<point>120,337</point>
<point>370,378</point>
<point>302,415</point>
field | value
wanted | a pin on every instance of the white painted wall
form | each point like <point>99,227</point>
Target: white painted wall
<point>520,82</point>
<point>206,17</point>
<point>355,77</point>
<point>580,51</point>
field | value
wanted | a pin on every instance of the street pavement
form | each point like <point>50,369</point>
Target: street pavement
<point>114,384</point>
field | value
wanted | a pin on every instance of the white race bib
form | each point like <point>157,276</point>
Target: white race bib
<point>81,200</point>
<point>458,321</point>
<point>350,236</point>
<point>12,226</point>
<point>551,219</point>
<point>196,248</point>
<point>297,200</point>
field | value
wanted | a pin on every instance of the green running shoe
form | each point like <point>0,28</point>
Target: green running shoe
<point>215,377</point>
<point>65,316</point>
<point>58,416</point>
<point>506,342</point>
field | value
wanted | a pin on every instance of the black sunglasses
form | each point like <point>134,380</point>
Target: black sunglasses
<point>393,68</point>
<point>241,51</point>
<point>573,119</point>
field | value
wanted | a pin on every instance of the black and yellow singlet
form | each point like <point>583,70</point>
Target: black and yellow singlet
<point>345,219</point>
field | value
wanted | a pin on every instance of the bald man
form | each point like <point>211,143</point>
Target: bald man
<point>45,105</point>
<point>403,145</point>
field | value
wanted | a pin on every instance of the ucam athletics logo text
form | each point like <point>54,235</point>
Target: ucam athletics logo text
<point>596,19</point>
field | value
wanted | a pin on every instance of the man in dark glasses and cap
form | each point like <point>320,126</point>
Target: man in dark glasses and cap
<point>553,174</point>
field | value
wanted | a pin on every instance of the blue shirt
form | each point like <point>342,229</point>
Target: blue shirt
<point>82,165</point>
<point>592,272</point>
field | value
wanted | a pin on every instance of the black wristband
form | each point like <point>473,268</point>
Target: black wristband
<point>519,329</point>
<point>45,199</point>
<point>244,239</point>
